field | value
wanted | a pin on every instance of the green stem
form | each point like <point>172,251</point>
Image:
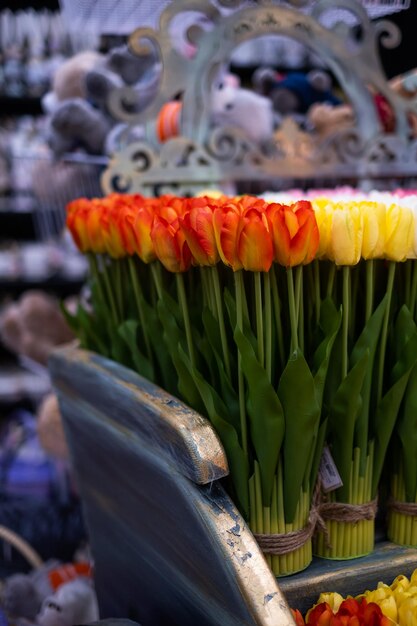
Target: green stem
<point>384,333</point>
<point>96,276</point>
<point>182,299</point>
<point>413,289</point>
<point>345,320</point>
<point>293,310</point>
<point>300,313</point>
<point>407,280</point>
<point>259,317</point>
<point>137,291</point>
<point>110,294</point>
<point>330,279</point>
<point>156,278</point>
<point>117,264</point>
<point>277,314</point>
<point>239,287</point>
<point>317,295</point>
<point>268,325</point>
<point>220,318</point>
<point>298,283</point>
<point>369,305</point>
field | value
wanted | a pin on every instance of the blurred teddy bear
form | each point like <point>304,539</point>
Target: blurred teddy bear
<point>32,327</point>
<point>325,119</point>
<point>294,93</point>
<point>80,118</point>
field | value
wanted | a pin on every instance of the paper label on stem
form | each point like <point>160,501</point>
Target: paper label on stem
<point>330,477</point>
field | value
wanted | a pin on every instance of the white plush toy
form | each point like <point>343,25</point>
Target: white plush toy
<point>73,603</point>
<point>241,108</point>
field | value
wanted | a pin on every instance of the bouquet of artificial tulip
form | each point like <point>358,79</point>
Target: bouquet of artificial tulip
<point>274,321</point>
<point>206,297</point>
<point>367,244</point>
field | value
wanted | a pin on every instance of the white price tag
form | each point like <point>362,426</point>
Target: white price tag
<point>330,477</point>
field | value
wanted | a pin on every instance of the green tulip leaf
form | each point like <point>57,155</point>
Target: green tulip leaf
<point>297,393</point>
<point>128,331</point>
<point>216,411</point>
<point>388,409</point>
<point>330,321</point>
<point>385,418</point>
<point>367,341</point>
<point>407,432</point>
<point>173,338</point>
<point>344,411</point>
<point>265,414</point>
<point>227,391</point>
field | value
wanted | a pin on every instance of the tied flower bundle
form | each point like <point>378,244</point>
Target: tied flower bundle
<point>388,605</point>
<point>200,296</point>
<point>372,382</point>
<point>272,320</point>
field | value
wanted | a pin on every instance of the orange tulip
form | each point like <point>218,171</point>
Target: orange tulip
<point>242,236</point>
<point>143,244</point>
<point>94,219</point>
<point>112,239</point>
<point>198,229</point>
<point>124,213</point>
<point>77,213</point>
<point>255,248</point>
<point>295,233</point>
<point>170,245</point>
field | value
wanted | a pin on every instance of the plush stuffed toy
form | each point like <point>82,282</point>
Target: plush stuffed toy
<point>294,93</point>
<point>79,115</point>
<point>23,595</point>
<point>232,107</point>
<point>34,325</point>
<point>73,603</point>
<point>325,119</point>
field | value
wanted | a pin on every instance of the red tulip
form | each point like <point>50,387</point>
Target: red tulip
<point>298,618</point>
<point>294,232</point>
<point>321,615</point>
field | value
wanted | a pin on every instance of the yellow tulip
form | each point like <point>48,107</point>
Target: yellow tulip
<point>323,210</point>
<point>407,612</point>
<point>399,232</point>
<point>401,582</point>
<point>334,600</point>
<point>346,234</point>
<point>413,578</point>
<point>383,595</point>
<point>374,229</point>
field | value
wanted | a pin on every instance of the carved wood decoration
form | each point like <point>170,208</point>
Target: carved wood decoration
<point>204,155</point>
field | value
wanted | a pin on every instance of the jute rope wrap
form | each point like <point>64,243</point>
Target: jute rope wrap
<point>406,508</point>
<point>280,544</point>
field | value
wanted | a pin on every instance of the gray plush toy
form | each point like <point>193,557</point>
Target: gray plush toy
<point>82,121</point>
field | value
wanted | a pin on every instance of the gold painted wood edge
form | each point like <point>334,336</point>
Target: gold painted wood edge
<point>197,438</point>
